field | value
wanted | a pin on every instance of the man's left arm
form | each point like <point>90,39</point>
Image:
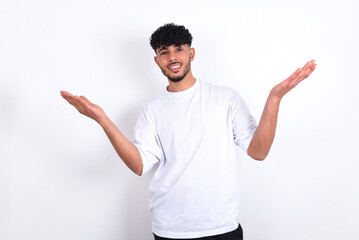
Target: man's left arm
<point>264,135</point>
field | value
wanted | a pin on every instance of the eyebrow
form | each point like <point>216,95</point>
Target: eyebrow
<point>162,48</point>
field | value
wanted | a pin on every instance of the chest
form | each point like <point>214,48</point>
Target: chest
<point>192,117</point>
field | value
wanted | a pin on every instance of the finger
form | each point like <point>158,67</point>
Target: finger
<point>65,94</point>
<point>300,74</point>
<point>310,66</point>
<point>294,75</point>
<point>307,65</point>
<point>306,71</point>
<point>303,73</point>
<point>73,100</point>
<point>85,99</point>
<point>298,78</point>
<point>310,69</point>
<point>299,71</point>
<point>78,103</point>
<point>314,64</point>
<point>68,96</point>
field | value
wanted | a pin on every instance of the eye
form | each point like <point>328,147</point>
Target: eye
<point>163,53</point>
<point>179,49</point>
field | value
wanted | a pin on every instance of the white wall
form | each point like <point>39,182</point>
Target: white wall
<point>61,179</point>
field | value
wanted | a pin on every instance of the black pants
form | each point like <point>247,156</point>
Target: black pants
<point>234,235</point>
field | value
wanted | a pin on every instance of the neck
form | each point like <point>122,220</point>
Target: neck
<point>182,85</point>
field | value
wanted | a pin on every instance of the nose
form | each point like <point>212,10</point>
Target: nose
<point>172,56</point>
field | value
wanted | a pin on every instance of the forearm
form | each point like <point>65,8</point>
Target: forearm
<point>264,135</point>
<point>127,151</point>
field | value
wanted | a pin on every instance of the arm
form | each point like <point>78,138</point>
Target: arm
<point>264,135</point>
<point>127,151</point>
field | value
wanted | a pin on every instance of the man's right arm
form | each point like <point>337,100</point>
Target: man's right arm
<point>127,151</point>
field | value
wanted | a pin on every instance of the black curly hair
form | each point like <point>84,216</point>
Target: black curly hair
<point>170,34</point>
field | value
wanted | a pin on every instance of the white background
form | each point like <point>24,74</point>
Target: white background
<point>61,179</point>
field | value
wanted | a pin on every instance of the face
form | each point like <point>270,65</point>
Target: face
<point>175,61</point>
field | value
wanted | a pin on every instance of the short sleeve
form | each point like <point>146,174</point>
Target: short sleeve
<point>244,124</point>
<point>147,141</point>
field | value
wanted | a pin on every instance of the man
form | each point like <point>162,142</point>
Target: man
<point>190,131</point>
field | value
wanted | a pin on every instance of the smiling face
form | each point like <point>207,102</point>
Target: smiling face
<point>175,61</point>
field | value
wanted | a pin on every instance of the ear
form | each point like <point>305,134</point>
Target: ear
<point>156,60</point>
<point>192,52</point>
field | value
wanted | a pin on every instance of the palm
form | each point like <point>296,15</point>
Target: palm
<point>299,75</point>
<point>83,105</point>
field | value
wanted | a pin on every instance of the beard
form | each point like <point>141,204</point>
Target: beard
<point>187,67</point>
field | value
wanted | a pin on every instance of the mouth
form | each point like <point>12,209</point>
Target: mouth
<point>174,67</point>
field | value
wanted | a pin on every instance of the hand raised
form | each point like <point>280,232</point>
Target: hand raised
<point>84,106</point>
<point>299,75</point>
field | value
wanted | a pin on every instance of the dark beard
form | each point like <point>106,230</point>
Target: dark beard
<point>179,78</point>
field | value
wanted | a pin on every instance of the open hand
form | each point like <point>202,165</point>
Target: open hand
<point>299,75</point>
<point>84,106</point>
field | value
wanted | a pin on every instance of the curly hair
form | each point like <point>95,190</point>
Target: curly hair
<point>170,34</point>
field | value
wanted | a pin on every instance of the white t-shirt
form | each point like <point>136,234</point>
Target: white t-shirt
<point>191,135</point>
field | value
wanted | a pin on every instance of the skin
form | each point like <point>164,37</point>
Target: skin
<point>126,150</point>
<point>264,135</point>
<point>182,56</point>
<point>170,56</point>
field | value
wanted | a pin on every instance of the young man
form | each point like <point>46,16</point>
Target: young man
<point>190,132</point>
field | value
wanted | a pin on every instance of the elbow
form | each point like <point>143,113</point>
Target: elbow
<point>138,172</point>
<point>257,153</point>
<point>258,156</point>
<point>136,166</point>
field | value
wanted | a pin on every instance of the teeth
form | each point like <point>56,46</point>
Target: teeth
<point>174,67</point>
